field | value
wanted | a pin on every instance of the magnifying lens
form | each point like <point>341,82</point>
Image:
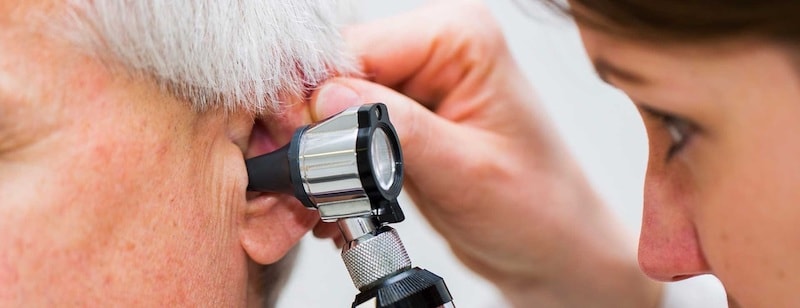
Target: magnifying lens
<point>349,167</point>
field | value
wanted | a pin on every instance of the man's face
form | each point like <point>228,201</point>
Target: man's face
<point>112,190</point>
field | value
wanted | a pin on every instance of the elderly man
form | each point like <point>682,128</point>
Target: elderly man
<point>123,127</point>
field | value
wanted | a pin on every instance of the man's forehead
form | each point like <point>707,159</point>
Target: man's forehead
<point>18,14</point>
<point>39,71</point>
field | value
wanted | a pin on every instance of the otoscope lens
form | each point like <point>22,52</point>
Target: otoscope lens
<point>383,160</point>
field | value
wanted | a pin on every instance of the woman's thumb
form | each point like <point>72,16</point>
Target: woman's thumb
<point>415,125</point>
<point>331,98</point>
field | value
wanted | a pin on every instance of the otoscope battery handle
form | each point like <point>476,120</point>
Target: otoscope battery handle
<point>413,288</point>
<point>381,269</point>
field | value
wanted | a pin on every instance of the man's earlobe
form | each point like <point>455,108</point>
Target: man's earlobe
<point>272,225</point>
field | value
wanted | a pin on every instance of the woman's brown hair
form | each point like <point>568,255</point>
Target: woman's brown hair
<point>688,20</point>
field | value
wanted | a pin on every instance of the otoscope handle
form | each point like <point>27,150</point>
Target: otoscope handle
<point>381,269</point>
<point>375,256</point>
<point>414,288</point>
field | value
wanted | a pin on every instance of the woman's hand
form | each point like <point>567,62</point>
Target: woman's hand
<point>484,165</point>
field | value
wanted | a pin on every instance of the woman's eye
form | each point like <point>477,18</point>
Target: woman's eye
<point>680,131</point>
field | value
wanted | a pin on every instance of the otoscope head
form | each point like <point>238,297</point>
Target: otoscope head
<point>349,165</point>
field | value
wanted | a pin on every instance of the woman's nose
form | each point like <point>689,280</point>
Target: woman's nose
<point>669,248</point>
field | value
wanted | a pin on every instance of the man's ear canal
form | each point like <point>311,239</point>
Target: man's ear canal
<point>272,225</point>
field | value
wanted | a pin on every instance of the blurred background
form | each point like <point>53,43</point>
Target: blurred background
<point>597,122</point>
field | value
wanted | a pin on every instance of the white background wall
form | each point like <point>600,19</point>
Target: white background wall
<point>597,122</point>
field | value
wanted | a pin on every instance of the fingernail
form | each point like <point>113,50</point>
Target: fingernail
<point>333,98</point>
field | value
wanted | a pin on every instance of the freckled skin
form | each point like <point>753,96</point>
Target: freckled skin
<point>113,192</point>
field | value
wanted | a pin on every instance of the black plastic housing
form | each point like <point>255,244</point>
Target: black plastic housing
<point>413,288</point>
<point>384,202</point>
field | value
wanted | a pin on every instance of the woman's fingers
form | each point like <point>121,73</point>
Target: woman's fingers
<point>418,128</point>
<point>426,54</point>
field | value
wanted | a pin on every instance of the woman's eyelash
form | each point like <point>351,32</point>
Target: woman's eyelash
<point>679,129</point>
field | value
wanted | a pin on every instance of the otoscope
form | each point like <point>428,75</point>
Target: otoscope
<point>349,167</point>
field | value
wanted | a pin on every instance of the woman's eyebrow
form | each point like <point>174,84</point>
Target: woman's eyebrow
<point>606,70</point>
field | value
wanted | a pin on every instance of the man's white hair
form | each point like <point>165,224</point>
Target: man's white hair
<point>247,54</point>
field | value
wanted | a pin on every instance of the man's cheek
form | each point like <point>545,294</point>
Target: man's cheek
<point>71,223</point>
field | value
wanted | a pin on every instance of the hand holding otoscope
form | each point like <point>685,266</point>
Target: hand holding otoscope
<point>349,167</point>
<point>484,164</point>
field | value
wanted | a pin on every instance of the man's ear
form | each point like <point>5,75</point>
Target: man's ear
<point>272,225</point>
